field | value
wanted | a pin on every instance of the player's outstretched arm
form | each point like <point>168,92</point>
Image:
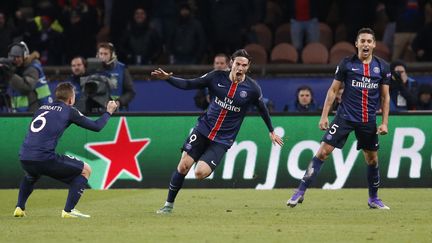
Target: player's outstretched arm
<point>331,95</point>
<point>181,83</point>
<point>276,139</point>
<point>97,125</point>
<point>161,74</point>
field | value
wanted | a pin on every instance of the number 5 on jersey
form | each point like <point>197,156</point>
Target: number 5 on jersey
<point>333,129</point>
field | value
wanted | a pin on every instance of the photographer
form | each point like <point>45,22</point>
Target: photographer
<point>22,76</point>
<point>402,88</point>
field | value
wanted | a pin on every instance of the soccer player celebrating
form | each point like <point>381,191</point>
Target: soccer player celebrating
<point>366,79</point>
<point>38,155</point>
<point>231,92</point>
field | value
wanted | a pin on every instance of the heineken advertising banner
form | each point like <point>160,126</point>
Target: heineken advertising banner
<point>143,151</point>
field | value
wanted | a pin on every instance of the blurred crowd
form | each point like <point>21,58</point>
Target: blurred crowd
<point>193,31</point>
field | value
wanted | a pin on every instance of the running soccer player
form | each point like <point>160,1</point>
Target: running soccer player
<point>37,153</point>
<point>366,79</point>
<point>231,92</point>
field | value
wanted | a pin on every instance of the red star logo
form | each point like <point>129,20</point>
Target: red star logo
<point>120,154</point>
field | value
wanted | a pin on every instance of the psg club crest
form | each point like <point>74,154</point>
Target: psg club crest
<point>243,94</point>
<point>376,70</point>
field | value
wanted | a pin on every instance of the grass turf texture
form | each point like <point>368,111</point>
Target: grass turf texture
<point>221,215</point>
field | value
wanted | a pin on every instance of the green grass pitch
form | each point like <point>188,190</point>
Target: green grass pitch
<point>221,215</point>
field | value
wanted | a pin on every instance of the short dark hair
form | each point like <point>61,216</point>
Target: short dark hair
<point>304,87</point>
<point>365,31</point>
<point>83,60</point>
<point>222,55</point>
<point>106,45</point>
<point>64,91</point>
<point>241,53</point>
<point>396,63</point>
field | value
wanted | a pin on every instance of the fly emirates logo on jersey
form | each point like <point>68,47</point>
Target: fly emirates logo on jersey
<point>227,104</point>
<point>365,83</point>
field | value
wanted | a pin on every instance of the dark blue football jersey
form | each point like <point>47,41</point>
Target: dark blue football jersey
<point>362,94</point>
<point>47,126</point>
<point>228,106</point>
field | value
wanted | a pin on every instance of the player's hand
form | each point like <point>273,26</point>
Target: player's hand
<point>161,74</point>
<point>276,139</point>
<point>382,129</point>
<point>111,106</point>
<point>323,123</point>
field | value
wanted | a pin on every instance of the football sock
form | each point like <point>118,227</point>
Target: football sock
<point>311,172</point>
<point>373,177</point>
<point>76,189</point>
<point>176,184</point>
<point>26,188</point>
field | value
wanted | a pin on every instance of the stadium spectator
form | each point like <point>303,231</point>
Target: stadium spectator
<point>233,92</point>
<point>164,18</point>
<point>188,43</point>
<point>403,89</point>
<point>38,157</point>
<point>408,21</point>
<point>80,28</point>
<point>366,80</point>
<point>304,22</point>
<point>27,84</point>
<point>421,43</point>
<point>6,32</point>
<point>78,67</point>
<point>140,42</point>
<point>227,36</point>
<point>424,98</point>
<point>221,62</point>
<point>356,14</point>
<point>45,35</point>
<point>304,101</point>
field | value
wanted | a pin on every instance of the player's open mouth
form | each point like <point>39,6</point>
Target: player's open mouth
<point>366,51</point>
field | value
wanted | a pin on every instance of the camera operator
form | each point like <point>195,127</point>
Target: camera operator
<point>24,79</point>
<point>402,88</point>
<point>123,89</point>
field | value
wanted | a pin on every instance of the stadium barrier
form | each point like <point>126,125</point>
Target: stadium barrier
<point>142,150</point>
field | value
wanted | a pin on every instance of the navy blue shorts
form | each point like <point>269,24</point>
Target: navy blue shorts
<point>199,147</point>
<point>340,128</point>
<point>64,168</point>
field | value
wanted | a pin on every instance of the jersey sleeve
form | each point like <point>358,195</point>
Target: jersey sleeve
<point>386,74</point>
<point>84,122</point>
<point>340,73</point>
<point>195,83</point>
<point>262,109</point>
